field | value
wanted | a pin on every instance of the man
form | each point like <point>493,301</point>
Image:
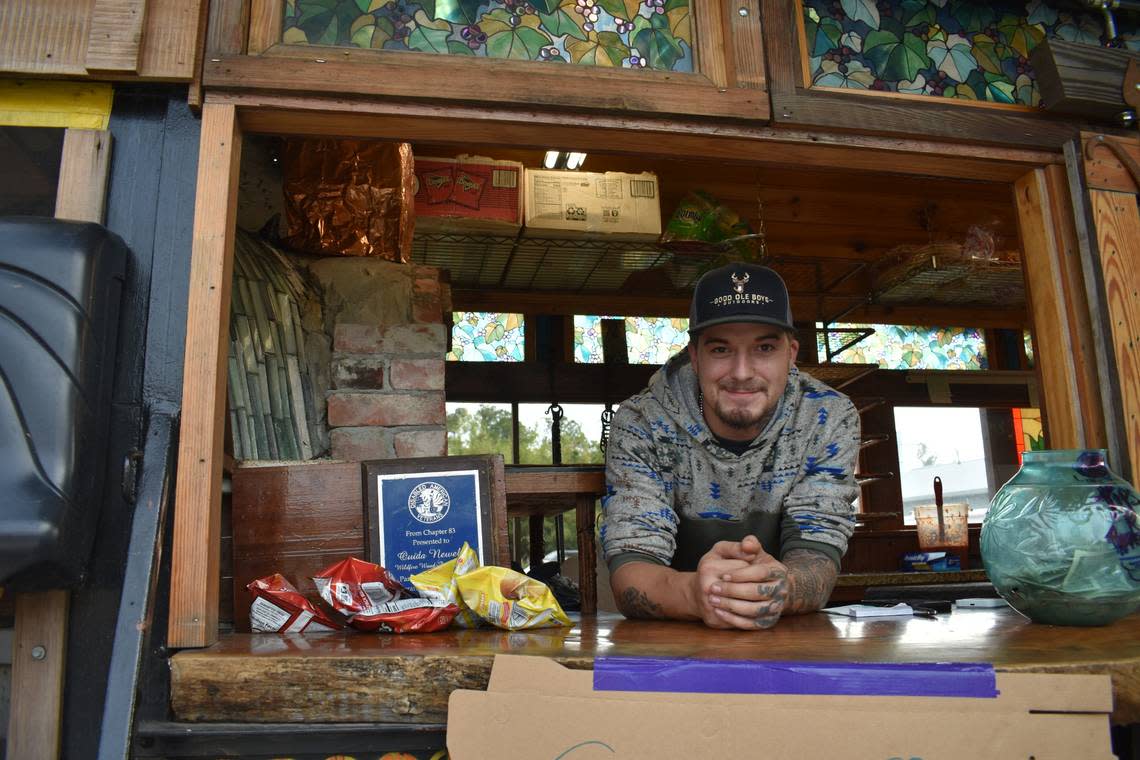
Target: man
<point>730,479</point>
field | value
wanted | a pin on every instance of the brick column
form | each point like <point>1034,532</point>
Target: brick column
<point>387,395</point>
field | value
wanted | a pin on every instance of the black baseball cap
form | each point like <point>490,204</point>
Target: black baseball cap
<point>740,293</point>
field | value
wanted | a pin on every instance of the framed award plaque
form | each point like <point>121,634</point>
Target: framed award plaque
<point>419,512</point>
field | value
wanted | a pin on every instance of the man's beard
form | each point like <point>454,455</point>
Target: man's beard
<point>736,417</point>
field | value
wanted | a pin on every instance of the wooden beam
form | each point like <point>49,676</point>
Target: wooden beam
<point>197,497</point>
<point>83,171</point>
<point>1082,79</point>
<point>708,40</point>
<point>265,22</point>
<point>303,69</point>
<point>747,37</point>
<point>114,37</point>
<point>535,302</point>
<point>473,126</point>
<point>227,27</point>
<point>1061,322</point>
<point>1117,221</point>
<point>38,664</point>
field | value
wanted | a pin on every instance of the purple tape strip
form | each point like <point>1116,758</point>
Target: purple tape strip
<point>777,677</point>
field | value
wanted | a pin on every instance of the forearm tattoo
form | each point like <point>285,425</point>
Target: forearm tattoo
<point>812,577</point>
<point>634,603</point>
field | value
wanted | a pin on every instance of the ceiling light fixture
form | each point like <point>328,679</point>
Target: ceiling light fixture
<point>569,160</point>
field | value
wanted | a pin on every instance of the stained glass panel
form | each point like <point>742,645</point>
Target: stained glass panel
<point>943,48</point>
<point>1028,338</point>
<point>632,34</point>
<point>487,336</point>
<point>649,340</point>
<point>1028,431</point>
<point>905,347</point>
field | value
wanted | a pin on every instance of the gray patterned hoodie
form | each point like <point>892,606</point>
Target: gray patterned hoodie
<point>673,490</point>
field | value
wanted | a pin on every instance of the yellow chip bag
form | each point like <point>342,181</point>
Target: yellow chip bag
<point>508,599</point>
<point>439,583</point>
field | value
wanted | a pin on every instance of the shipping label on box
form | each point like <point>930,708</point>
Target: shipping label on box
<point>535,708</point>
<point>612,203</point>
<point>468,193</point>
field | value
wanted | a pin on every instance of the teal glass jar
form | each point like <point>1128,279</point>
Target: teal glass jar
<point>1061,540</point>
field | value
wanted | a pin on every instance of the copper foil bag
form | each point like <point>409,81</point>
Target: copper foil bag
<point>349,197</point>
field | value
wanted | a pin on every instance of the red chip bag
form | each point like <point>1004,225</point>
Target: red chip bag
<point>278,607</point>
<point>408,616</point>
<point>468,189</point>
<point>354,587</point>
<point>438,184</point>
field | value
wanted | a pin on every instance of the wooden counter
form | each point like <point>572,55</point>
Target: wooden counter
<point>407,679</point>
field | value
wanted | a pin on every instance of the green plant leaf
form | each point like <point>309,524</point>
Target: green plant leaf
<point>896,59</point>
<point>499,21</point>
<point>458,11</point>
<point>953,57</point>
<point>562,23</point>
<point>972,15</point>
<point>825,36</point>
<point>655,41</point>
<point>856,77</point>
<point>373,35</point>
<point>520,43</point>
<point>680,20</point>
<point>429,36</point>
<point>455,47</point>
<point>917,12</point>
<point>1085,29</point>
<point>989,54</point>
<point>1027,92</point>
<point>862,10</point>
<point>1039,12</point>
<point>1020,35</point>
<point>917,86</point>
<point>623,9</point>
<point>998,88</point>
<point>605,49</point>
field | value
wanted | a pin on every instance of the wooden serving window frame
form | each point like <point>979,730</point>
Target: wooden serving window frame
<point>1061,309</point>
<point>489,491</point>
<point>728,80</point>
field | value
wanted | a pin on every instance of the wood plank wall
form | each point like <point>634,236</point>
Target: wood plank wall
<point>156,39</point>
<point>1117,220</point>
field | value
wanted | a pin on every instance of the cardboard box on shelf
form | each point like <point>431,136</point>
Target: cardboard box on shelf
<point>539,708</point>
<point>468,194</point>
<point>570,203</point>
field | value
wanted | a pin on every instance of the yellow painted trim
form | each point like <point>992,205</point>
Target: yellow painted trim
<point>76,105</point>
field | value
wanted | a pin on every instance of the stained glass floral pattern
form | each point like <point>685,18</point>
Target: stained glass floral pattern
<point>947,48</point>
<point>649,340</point>
<point>901,347</point>
<point>487,336</point>
<point>654,34</point>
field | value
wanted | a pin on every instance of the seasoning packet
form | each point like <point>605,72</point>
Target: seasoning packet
<point>508,599</point>
<point>278,607</point>
<point>440,583</point>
